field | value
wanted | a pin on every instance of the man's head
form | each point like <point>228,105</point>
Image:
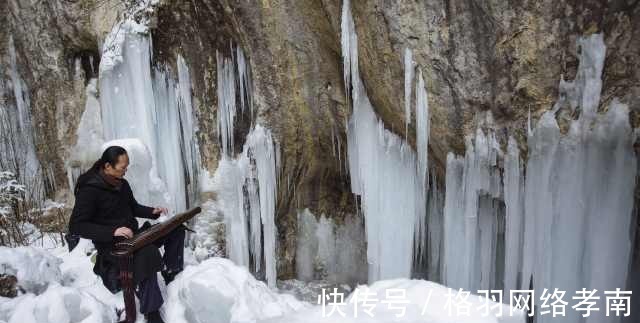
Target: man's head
<point>114,161</point>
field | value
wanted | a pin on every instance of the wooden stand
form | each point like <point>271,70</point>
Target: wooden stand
<point>125,252</point>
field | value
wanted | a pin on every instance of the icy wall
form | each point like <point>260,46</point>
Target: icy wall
<point>149,108</point>
<point>246,183</point>
<point>17,147</point>
<point>570,205</point>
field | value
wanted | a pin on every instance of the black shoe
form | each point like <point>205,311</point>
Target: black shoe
<point>169,275</point>
<point>153,317</point>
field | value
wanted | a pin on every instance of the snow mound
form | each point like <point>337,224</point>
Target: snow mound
<point>217,291</point>
<point>58,304</point>
<point>423,301</point>
<point>35,269</point>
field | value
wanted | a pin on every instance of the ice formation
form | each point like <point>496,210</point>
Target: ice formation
<point>328,251</point>
<point>408,82</point>
<point>89,136</point>
<point>233,81</point>
<point>471,217</point>
<point>17,146</point>
<point>422,301</point>
<point>383,170</point>
<point>578,200</point>
<point>145,102</point>
<point>573,205</point>
<point>246,183</point>
<point>246,187</point>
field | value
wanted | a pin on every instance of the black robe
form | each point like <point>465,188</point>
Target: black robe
<point>100,209</point>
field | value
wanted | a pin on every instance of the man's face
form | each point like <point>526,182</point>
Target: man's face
<point>120,168</point>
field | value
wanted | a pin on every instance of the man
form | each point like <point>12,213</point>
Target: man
<point>105,211</point>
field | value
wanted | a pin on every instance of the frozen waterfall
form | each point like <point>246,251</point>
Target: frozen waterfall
<point>17,146</point>
<point>246,183</point>
<point>551,225</point>
<point>147,103</point>
<point>383,170</point>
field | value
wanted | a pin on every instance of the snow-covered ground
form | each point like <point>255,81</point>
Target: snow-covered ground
<point>58,286</point>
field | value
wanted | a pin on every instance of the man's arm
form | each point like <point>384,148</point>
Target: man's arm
<point>139,210</point>
<point>81,221</point>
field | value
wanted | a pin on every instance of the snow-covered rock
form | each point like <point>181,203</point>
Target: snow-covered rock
<point>217,291</point>
<point>34,268</point>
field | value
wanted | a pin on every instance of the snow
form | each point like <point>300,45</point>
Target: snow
<point>61,287</point>
<point>217,290</point>
<point>34,268</point>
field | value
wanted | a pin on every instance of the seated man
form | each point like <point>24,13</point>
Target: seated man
<point>105,211</point>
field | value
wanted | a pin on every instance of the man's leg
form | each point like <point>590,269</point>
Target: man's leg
<point>173,257</point>
<point>149,294</point>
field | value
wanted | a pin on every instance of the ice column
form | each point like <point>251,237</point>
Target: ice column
<point>383,173</point>
<point>17,146</point>
<point>408,82</point>
<point>470,216</point>
<point>579,190</point>
<point>513,197</point>
<point>248,193</point>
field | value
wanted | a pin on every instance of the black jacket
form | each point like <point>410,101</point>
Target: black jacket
<point>100,209</point>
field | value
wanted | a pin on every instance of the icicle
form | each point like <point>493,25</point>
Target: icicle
<point>226,102</point>
<point>261,145</point>
<point>17,147</point>
<point>142,102</point>
<point>189,128</point>
<point>466,220</point>
<point>383,172</point>
<point>422,134</point>
<point>423,127</point>
<point>408,82</point>
<point>435,227</point>
<point>513,194</point>
<point>574,180</point>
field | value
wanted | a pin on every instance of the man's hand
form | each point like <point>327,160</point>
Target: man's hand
<point>123,232</point>
<point>160,210</point>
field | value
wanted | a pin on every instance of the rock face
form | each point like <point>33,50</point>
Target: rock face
<point>506,57</point>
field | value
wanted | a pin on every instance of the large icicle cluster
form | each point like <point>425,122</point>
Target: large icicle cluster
<point>246,184</point>
<point>17,145</point>
<point>383,170</point>
<point>246,187</point>
<point>578,196</point>
<point>573,206</point>
<point>233,82</point>
<point>471,217</point>
<point>143,102</point>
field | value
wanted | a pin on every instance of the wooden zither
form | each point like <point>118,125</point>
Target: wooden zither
<point>125,250</point>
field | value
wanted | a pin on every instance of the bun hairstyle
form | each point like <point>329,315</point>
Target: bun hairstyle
<point>110,155</point>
